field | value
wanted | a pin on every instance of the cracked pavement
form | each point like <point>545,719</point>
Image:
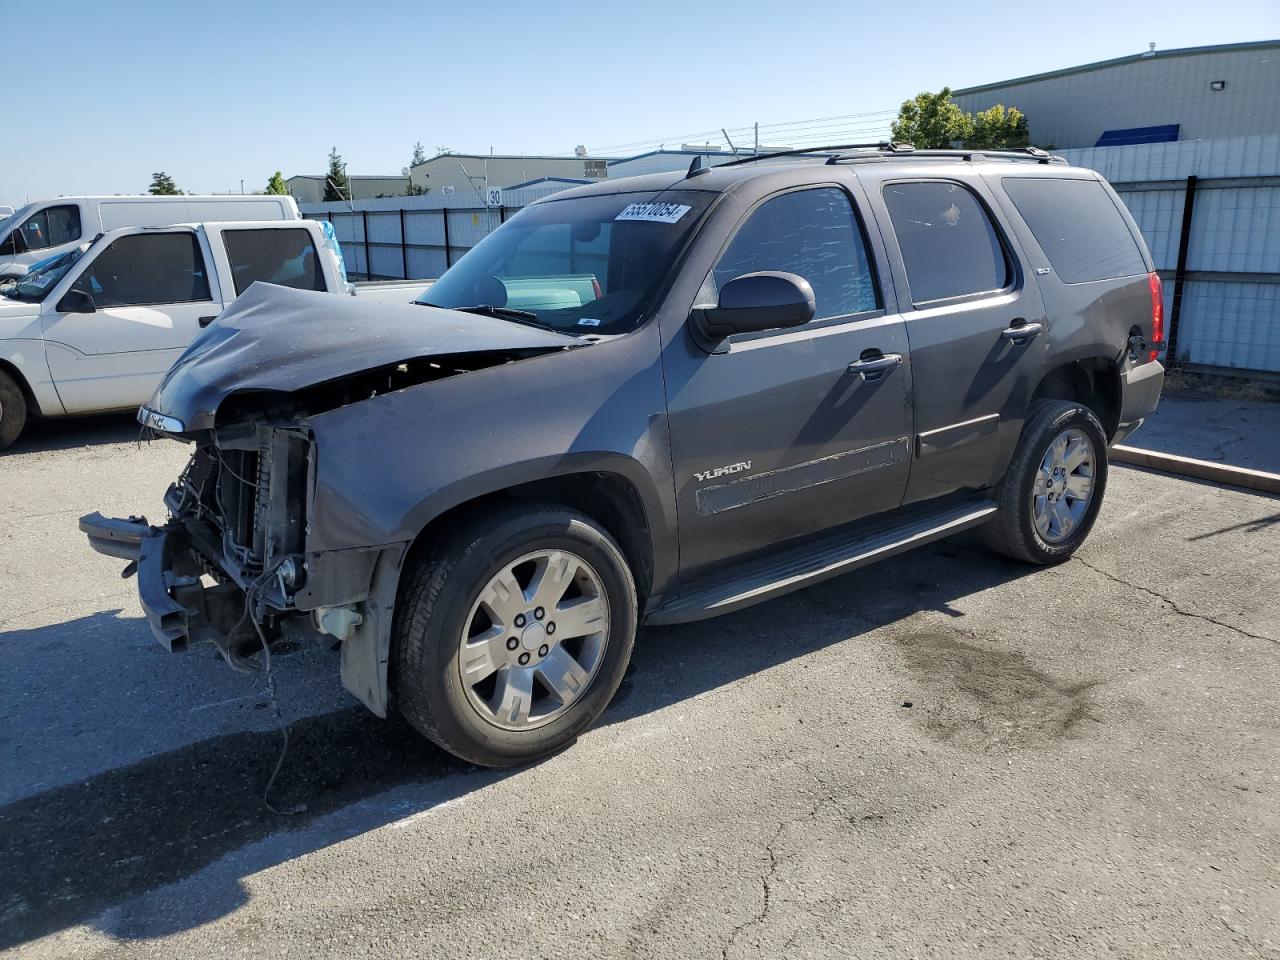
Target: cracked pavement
<point>945,755</point>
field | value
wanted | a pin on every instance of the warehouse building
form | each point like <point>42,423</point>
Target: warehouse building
<point>1195,93</point>
<point>473,173</point>
<point>309,187</point>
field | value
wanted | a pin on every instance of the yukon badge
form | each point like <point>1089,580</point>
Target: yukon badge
<point>706,475</point>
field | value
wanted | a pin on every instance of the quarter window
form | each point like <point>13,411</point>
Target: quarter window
<point>949,244</point>
<point>1078,227</point>
<point>146,269</point>
<point>284,257</point>
<point>813,234</point>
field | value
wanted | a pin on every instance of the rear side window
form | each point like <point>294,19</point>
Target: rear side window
<point>285,257</point>
<point>949,244</point>
<point>145,269</point>
<point>813,234</point>
<point>1078,227</point>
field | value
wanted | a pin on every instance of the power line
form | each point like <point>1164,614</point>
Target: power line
<point>780,128</point>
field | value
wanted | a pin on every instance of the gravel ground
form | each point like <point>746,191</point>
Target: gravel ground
<point>945,755</point>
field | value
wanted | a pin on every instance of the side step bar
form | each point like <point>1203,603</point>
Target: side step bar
<point>796,567</point>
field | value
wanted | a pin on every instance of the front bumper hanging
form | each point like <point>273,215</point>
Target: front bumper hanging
<point>179,607</point>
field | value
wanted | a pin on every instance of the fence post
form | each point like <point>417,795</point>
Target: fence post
<point>368,262</point>
<point>502,214</point>
<point>404,248</point>
<point>1180,272</point>
<point>444,212</point>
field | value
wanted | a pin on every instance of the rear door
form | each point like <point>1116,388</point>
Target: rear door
<point>151,289</point>
<point>774,436</point>
<point>975,322</point>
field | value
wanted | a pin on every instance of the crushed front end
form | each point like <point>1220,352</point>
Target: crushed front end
<point>231,559</point>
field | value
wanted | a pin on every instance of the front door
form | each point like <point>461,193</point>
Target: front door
<point>151,291</point>
<point>977,327</point>
<point>774,436</point>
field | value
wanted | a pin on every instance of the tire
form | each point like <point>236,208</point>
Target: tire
<point>1026,491</point>
<point>463,588</point>
<point>13,410</point>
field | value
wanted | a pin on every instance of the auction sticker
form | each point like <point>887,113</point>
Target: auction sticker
<point>655,212</point>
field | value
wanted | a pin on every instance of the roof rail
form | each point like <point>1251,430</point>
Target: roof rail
<point>1031,154</point>
<point>884,146</point>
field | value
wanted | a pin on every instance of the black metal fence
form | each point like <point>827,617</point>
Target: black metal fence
<point>410,244</point>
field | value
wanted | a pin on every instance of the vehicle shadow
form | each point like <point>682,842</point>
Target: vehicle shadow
<point>75,851</point>
<point>64,433</point>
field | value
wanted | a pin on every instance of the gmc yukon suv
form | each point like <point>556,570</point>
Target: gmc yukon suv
<point>777,372</point>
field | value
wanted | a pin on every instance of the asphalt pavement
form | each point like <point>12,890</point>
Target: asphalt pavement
<point>948,754</point>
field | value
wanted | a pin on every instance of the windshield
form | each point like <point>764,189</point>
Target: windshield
<point>43,277</point>
<point>12,218</point>
<point>584,265</point>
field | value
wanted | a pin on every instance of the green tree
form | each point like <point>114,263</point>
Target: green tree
<point>277,186</point>
<point>931,121</point>
<point>419,154</point>
<point>998,128</point>
<point>162,185</point>
<point>443,151</point>
<point>336,186</point>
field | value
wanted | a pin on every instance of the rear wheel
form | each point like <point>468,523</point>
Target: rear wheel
<point>1051,493</point>
<point>513,636</point>
<point>13,410</point>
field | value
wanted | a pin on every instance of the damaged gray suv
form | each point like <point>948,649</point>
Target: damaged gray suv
<point>648,401</point>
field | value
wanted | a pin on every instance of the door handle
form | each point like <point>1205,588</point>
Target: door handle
<point>1019,331</point>
<point>872,368</point>
<point>205,321</point>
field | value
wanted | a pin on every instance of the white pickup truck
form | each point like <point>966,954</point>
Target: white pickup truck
<point>96,328</point>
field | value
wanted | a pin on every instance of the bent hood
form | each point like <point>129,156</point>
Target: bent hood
<point>279,339</point>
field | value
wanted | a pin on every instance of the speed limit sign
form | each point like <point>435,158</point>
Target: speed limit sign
<point>493,197</point>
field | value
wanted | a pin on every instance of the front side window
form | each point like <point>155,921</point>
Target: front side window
<point>582,265</point>
<point>813,234</point>
<point>949,244</point>
<point>50,227</point>
<point>147,269</point>
<point>285,257</point>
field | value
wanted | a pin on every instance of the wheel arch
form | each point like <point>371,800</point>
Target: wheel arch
<point>609,498</point>
<point>14,373</point>
<point>1093,382</point>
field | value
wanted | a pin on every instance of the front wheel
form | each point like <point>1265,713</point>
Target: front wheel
<point>512,636</point>
<point>13,410</point>
<point>1051,493</point>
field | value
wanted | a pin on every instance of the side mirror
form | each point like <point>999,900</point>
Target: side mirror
<point>768,300</point>
<point>77,301</point>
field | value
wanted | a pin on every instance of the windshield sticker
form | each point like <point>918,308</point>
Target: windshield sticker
<point>654,212</point>
<point>588,322</point>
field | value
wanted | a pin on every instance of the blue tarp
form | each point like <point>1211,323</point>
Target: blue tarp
<point>1121,138</point>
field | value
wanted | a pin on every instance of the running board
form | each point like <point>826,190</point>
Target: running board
<point>796,567</point>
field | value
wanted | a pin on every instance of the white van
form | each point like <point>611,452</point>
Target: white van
<point>42,230</point>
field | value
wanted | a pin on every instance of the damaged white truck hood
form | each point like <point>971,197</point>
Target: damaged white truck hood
<point>281,340</point>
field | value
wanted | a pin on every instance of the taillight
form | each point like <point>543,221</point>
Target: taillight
<point>1157,314</point>
<point>595,287</point>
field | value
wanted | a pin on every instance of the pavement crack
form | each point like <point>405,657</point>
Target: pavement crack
<point>766,887</point>
<point>1174,605</point>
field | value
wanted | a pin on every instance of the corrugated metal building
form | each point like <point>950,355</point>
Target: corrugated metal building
<point>309,187</point>
<point>1232,90</point>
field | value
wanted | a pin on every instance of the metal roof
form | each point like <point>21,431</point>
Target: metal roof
<point>1133,58</point>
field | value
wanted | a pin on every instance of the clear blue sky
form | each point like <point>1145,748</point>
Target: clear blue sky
<point>222,90</point>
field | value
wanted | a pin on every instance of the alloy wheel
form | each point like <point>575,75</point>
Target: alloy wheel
<point>534,639</point>
<point>1063,486</point>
